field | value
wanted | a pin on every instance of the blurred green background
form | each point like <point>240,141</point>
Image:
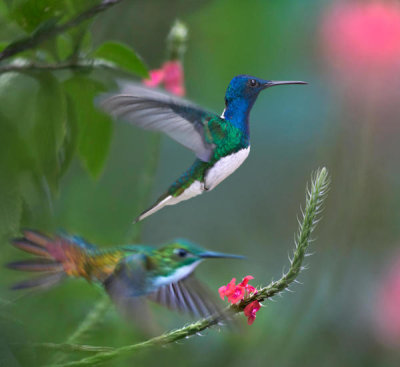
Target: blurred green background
<point>95,184</point>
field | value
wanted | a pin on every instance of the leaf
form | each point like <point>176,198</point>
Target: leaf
<point>38,15</point>
<point>49,128</point>
<point>123,56</point>
<point>94,126</point>
<point>14,158</point>
<point>71,137</point>
<point>3,45</point>
<point>64,47</point>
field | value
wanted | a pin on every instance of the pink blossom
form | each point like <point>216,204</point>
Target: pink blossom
<point>227,290</point>
<point>250,311</point>
<point>362,37</point>
<point>249,288</point>
<point>156,78</point>
<point>171,75</point>
<point>236,293</point>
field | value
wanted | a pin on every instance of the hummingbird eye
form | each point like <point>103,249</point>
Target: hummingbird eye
<point>181,252</point>
<point>253,83</point>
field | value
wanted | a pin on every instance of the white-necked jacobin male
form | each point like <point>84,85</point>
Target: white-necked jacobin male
<point>221,143</point>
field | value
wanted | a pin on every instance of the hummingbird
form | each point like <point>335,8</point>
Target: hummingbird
<point>221,143</point>
<point>128,273</point>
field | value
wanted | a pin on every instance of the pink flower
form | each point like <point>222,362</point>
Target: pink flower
<point>236,293</point>
<point>362,37</point>
<point>171,75</point>
<point>250,311</point>
<point>232,291</point>
<point>244,283</point>
<point>156,78</point>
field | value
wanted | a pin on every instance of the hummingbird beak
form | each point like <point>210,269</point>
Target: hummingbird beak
<point>272,83</point>
<point>219,255</point>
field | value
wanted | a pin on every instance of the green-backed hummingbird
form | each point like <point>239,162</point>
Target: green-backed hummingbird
<point>128,273</point>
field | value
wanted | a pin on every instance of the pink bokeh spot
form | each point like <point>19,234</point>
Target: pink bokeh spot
<point>170,75</point>
<point>388,306</point>
<point>173,79</point>
<point>156,78</point>
<point>362,36</point>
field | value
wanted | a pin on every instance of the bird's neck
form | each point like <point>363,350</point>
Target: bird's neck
<point>237,113</point>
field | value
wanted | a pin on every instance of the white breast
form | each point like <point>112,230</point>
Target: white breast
<point>179,274</point>
<point>224,168</point>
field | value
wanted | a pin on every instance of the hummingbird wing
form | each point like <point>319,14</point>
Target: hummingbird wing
<point>154,110</point>
<point>128,278</point>
<point>125,287</point>
<point>187,295</point>
<point>129,282</point>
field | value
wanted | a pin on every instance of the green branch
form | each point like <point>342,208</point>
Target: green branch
<point>314,200</point>
<point>22,65</point>
<point>40,37</point>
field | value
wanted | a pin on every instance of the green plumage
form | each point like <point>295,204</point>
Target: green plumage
<point>126,272</point>
<point>227,139</point>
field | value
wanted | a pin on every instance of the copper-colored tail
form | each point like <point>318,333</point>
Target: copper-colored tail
<point>54,258</point>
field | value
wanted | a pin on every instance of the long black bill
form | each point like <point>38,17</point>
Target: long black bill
<point>272,83</point>
<point>219,255</point>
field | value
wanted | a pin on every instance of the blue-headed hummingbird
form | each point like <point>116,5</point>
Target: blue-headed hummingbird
<point>221,143</point>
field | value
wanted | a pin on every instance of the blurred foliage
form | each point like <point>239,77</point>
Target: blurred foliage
<point>328,321</point>
<point>56,115</point>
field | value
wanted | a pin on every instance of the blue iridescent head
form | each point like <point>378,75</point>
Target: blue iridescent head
<point>241,94</point>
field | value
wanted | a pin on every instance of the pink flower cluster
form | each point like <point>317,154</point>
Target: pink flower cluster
<point>236,292</point>
<point>171,75</point>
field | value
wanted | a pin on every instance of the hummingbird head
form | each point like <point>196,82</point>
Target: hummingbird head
<point>242,92</point>
<point>180,257</point>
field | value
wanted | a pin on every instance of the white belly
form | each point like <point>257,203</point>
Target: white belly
<point>196,188</point>
<point>224,168</point>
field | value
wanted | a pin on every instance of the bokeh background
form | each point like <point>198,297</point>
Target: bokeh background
<point>347,311</point>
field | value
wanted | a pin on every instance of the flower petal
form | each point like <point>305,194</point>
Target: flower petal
<point>245,280</point>
<point>156,78</point>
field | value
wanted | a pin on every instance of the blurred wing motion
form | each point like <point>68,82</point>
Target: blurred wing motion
<point>153,110</point>
<point>189,296</point>
<point>129,281</point>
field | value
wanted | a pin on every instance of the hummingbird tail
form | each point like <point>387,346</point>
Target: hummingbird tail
<point>55,259</point>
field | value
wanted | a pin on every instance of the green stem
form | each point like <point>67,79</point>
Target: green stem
<point>91,319</point>
<point>40,37</point>
<point>22,66</point>
<point>314,200</point>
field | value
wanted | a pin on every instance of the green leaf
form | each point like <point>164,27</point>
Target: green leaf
<point>14,159</point>
<point>94,126</point>
<point>50,127</point>
<point>123,56</point>
<point>71,137</point>
<point>65,47</point>
<point>3,45</point>
<point>37,15</point>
